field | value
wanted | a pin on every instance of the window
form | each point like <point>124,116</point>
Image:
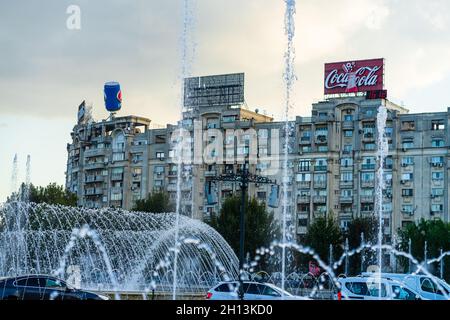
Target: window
<point>437,208</point>
<point>304,165</point>
<point>367,176</point>
<point>369,146</point>
<point>407,192</point>
<point>388,162</point>
<point>408,125</point>
<point>407,143</point>
<point>348,117</point>
<point>437,143</point>
<point>437,176</point>
<point>348,133</point>
<point>437,192</point>
<point>225,287</point>
<point>320,164</point>
<point>346,162</point>
<point>407,209</point>
<point>427,285</point>
<point>369,129</point>
<point>368,163</point>
<point>366,288</point>
<point>436,161</point>
<point>228,119</point>
<point>348,148</point>
<point>346,193</point>
<point>400,293</point>
<point>367,207</point>
<point>388,131</point>
<point>306,149</point>
<point>268,291</point>
<point>346,176</point>
<point>159,169</point>
<point>406,177</point>
<point>366,192</point>
<point>160,155</point>
<point>303,177</point>
<point>437,125</point>
<point>118,156</point>
<point>407,161</point>
<point>54,283</point>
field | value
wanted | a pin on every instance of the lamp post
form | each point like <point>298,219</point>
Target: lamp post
<point>243,178</point>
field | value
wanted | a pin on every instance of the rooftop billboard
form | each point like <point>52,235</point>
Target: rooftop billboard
<point>354,76</point>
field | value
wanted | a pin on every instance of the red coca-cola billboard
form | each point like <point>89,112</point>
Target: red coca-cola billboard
<point>354,76</point>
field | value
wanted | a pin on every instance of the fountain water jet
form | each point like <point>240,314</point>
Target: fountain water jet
<point>289,78</point>
<point>382,151</point>
<point>136,243</point>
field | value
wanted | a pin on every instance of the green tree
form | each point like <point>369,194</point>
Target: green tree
<point>260,226</point>
<point>323,232</point>
<point>437,235</point>
<point>50,194</point>
<point>156,202</point>
<point>368,227</point>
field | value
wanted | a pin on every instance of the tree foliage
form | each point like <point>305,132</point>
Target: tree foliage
<point>260,226</point>
<point>53,193</point>
<point>323,232</point>
<point>437,235</point>
<point>156,202</point>
<point>368,227</point>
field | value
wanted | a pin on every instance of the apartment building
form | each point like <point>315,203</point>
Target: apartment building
<point>331,165</point>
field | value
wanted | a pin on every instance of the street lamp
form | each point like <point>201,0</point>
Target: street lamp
<point>243,178</point>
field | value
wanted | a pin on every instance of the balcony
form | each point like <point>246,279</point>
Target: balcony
<point>93,179</point>
<point>172,187</point>
<point>346,199</point>
<point>305,140</point>
<point>347,125</point>
<point>321,139</point>
<point>319,199</point>
<point>304,184</point>
<point>94,165</point>
<point>346,183</point>
<point>367,199</point>
<point>117,177</point>
<point>93,192</point>
<point>320,168</point>
<point>319,213</point>
<point>320,184</point>
<point>210,173</point>
<point>303,199</point>
<point>367,137</point>
<point>302,230</point>
<point>368,184</point>
<point>136,177</point>
<point>368,166</point>
<point>95,152</point>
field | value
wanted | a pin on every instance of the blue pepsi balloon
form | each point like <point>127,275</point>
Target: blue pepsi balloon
<point>113,96</point>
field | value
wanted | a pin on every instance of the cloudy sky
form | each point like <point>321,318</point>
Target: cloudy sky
<point>46,70</point>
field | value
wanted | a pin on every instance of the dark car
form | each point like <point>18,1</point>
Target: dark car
<point>42,287</point>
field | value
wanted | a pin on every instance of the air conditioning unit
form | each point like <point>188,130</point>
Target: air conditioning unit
<point>440,164</point>
<point>404,149</point>
<point>404,164</point>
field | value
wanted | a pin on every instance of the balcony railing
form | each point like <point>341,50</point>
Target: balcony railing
<point>116,176</point>
<point>97,178</point>
<point>320,184</point>
<point>368,184</point>
<point>303,199</point>
<point>346,199</point>
<point>367,199</point>
<point>346,183</point>
<point>304,184</point>
<point>368,166</point>
<point>319,199</point>
<point>320,168</point>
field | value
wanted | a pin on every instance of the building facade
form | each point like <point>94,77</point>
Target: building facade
<point>331,165</point>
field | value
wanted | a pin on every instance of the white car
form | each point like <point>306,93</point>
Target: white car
<point>252,291</point>
<point>431,288</point>
<point>368,288</point>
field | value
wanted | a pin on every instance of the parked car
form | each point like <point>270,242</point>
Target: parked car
<point>252,291</point>
<point>431,288</point>
<point>368,288</point>
<point>42,287</point>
